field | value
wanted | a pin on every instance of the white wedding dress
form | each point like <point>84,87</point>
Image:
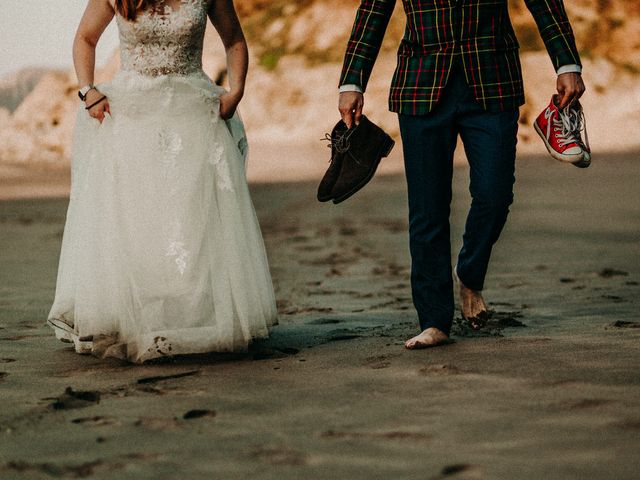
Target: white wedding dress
<point>162,253</point>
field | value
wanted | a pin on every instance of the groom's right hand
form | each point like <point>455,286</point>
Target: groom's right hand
<point>350,106</point>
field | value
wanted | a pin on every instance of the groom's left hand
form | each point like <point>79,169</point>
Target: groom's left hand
<point>570,87</point>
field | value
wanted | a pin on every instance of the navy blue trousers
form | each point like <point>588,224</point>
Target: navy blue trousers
<point>429,141</point>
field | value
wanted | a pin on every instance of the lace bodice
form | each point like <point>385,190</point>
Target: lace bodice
<point>164,40</point>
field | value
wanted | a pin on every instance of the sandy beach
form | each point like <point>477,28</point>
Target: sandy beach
<point>551,390</point>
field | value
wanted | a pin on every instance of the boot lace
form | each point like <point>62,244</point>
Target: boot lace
<point>340,143</point>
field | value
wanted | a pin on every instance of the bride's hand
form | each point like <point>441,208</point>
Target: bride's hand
<point>97,111</point>
<point>228,104</point>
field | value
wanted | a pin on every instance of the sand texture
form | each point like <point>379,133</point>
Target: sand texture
<point>551,390</point>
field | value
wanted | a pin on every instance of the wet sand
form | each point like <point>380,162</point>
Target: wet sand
<point>551,390</point>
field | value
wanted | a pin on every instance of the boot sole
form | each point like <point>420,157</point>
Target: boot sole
<point>324,199</point>
<point>385,151</point>
<point>577,160</point>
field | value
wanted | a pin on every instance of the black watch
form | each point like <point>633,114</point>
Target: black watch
<point>84,90</point>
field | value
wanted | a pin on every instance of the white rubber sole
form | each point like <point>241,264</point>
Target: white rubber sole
<point>63,331</point>
<point>83,347</point>
<point>66,334</point>
<point>585,162</point>
<point>572,159</point>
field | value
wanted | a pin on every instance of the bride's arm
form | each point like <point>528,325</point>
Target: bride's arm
<point>224,18</point>
<point>95,20</point>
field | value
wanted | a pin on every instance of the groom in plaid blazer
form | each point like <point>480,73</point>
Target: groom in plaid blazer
<point>458,73</point>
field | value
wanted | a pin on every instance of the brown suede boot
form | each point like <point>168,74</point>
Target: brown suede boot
<point>366,145</point>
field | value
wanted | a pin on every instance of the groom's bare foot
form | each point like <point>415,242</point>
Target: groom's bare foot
<point>474,308</point>
<point>431,337</point>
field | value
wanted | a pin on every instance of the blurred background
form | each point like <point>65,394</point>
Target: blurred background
<point>297,48</point>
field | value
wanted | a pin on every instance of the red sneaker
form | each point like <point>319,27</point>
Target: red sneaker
<point>560,132</point>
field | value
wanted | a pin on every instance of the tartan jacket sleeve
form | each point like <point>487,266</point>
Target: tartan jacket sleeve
<point>555,30</point>
<point>366,38</point>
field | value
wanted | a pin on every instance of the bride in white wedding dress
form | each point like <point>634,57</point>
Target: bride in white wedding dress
<point>162,253</point>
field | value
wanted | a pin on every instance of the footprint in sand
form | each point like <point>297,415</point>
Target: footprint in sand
<point>160,378</point>
<point>326,321</point>
<point>347,231</point>
<point>298,239</point>
<point>301,310</point>
<point>392,225</point>
<point>342,335</point>
<point>71,399</point>
<point>614,298</point>
<point>623,324</point>
<point>383,435</point>
<point>47,470</point>
<point>156,423</point>
<point>322,292</point>
<point>612,272</point>
<point>16,338</point>
<point>25,220</point>
<point>280,456</point>
<point>439,370</point>
<point>581,404</point>
<point>97,421</point>
<point>194,414</point>
<point>309,248</point>
<point>273,353</point>
<point>334,272</point>
<point>562,382</point>
<point>378,362</point>
<point>460,472</point>
<point>629,424</point>
<point>333,259</point>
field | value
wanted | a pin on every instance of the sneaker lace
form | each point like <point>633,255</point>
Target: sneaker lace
<point>578,124</point>
<point>563,126</point>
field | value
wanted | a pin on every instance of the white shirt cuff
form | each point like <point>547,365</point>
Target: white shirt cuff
<point>569,69</point>
<point>350,88</point>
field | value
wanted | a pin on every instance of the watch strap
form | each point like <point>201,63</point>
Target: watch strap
<point>82,93</point>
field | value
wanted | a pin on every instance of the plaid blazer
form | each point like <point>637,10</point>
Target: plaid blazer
<point>476,33</point>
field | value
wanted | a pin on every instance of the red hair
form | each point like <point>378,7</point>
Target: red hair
<point>129,8</point>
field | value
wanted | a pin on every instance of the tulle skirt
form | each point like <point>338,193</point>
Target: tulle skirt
<point>162,252</point>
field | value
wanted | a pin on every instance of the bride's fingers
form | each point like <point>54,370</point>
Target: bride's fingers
<point>98,114</point>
